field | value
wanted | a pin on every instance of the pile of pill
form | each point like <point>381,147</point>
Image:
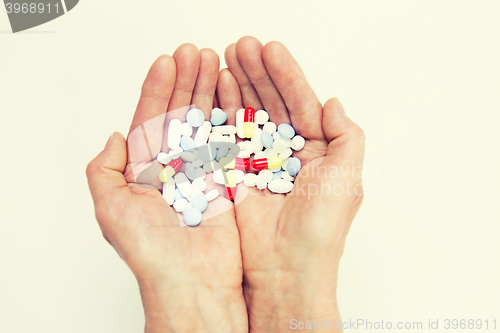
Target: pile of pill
<point>203,147</point>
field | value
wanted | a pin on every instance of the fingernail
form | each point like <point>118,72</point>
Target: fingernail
<point>109,140</point>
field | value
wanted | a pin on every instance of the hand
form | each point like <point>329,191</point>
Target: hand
<point>189,278</point>
<point>291,244</point>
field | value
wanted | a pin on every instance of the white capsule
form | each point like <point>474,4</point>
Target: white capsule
<point>249,179</point>
<point>180,205</point>
<point>169,191</point>
<point>198,163</point>
<point>225,129</point>
<point>216,137</point>
<point>202,134</point>
<point>240,174</point>
<point>187,156</point>
<point>212,194</point>
<point>257,143</point>
<point>298,142</point>
<point>261,117</point>
<point>280,186</point>
<point>186,129</point>
<point>240,117</point>
<point>199,184</point>
<point>269,127</point>
<point>279,146</point>
<point>174,134</point>
<point>163,158</point>
<point>286,154</point>
<point>183,184</point>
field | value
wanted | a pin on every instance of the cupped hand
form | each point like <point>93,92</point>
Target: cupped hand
<point>292,244</point>
<point>189,278</point>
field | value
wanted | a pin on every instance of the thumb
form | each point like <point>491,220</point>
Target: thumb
<point>346,148</point>
<point>105,172</point>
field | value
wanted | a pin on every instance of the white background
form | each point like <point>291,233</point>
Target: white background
<point>421,78</point>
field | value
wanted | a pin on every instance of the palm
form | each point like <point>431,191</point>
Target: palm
<point>139,223</point>
<point>278,231</point>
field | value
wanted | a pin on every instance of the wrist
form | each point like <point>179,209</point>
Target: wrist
<point>190,308</point>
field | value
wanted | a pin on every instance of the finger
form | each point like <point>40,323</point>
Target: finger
<point>105,173</point>
<point>229,95</point>
<point>156,91</point>
<point>303,105</point>
<point>204,90</point>
<point>347,139</point>
<point>187,60</point>
<point>249,95</point>
<point>249,54</point>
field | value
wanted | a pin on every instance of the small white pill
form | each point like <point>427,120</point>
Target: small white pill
<point>198,163</point>
<point>276,169</point>
<point>279,146</point>
<point>180,205</point>
<point>218,177</point>
<point>231,139</point>
<point>190,171</point>
<point>260,183</point>
<point>278,136</point>
<point>298,142</point>
<point>215,110</point>
<point>212,194</point>
<point>270,153</point>
<point>208,167</point>
<point>199,184</point>
<point>269,127</point>
<point>216,137</point>
<point>250,179</point>
<point>174,133</point>
<point>240,174</point>
<point>175,153</point>
<point>186,129</point>
<point>202,134</point>
<point>183,184</point>
<point>200,173</point>
<point>284,163</point>
<point>169,191</point>
<point>163,158</point>
<point>286,154</point>
<point>188,156</point>
<point>286,176</point>
<point>224,129</point>
<point>280,186</point>
<point>266,175</point>
<point>244,154</point>
<point>240,117</point>
<point>261,117</point>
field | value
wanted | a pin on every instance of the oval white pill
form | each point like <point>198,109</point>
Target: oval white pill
<point>225,129</point>
<point>218,177</point>
<point>188,156</point>
<point>198,163</point>
<point>240,174</point>
<point>261,117</point>
<point>286,176</point>
<point>208,167</point>
<point>249,179</point>
<point>202,134</point>
<point>260,154</point>
<point>298,142</point>
<point>199,173</point>
<point>216,137</point>
<point>266,175</point>
<point>280,186</point>
<point>183,184</point>
<point>174,134</point>
<point>212,194</point>
<point>260,183</point>
<point>180,205</point>
<point>270,153</point>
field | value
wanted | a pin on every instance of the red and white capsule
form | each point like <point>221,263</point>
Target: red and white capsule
<point>234,163</point>
<point>170,170</point>
<point>249,123</point>
<point>266,163</point>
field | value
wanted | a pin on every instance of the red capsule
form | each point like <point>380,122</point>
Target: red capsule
<point>249,115</point>
<point>175,164</point>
